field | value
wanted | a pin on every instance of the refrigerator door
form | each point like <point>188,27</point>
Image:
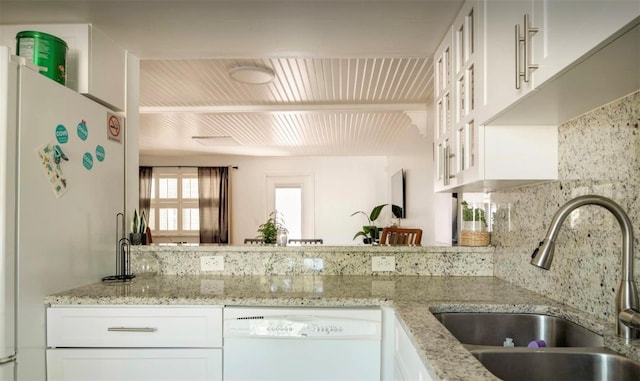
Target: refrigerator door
<point>7,209</point>
<point>66,233</point>
<point>8,371</point>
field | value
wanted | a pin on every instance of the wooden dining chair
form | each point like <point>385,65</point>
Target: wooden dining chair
<point>401,236</point>
<point>307,241</point>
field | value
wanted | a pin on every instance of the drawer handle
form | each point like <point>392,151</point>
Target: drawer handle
<point>7,360</point>
<point>132,329</point>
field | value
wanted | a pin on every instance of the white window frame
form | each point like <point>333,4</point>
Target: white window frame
<point>306,183</point>
<point>179,203</point>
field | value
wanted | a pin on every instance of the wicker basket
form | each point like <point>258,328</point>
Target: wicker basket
<point>474,238</point>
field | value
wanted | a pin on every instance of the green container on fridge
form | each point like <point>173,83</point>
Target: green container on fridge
<point>47,52</point>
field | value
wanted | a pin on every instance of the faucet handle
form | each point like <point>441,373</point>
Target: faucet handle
<point>630,317</point>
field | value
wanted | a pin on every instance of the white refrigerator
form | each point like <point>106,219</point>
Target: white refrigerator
<point>61,187</point>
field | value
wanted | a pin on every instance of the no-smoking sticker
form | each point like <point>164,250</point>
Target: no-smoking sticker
<point>115,126</point>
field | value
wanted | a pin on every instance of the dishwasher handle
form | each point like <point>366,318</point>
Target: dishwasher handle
<point>301,318</point>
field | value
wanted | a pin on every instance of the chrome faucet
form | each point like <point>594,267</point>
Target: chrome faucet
<point>627,304</point>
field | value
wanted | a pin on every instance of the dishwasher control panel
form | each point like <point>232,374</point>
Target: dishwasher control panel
<point>303,323</point>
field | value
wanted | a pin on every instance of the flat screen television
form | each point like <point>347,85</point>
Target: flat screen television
<point>397,194</point>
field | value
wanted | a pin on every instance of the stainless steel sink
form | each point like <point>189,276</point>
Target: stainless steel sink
<point>589,364</point>
<point>492,328</point>
<point>572,352</point>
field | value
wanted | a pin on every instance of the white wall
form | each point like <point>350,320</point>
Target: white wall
<point>343,185</point>
<point>132,123</point>
<point>414,154</point>
<point>442,218</point>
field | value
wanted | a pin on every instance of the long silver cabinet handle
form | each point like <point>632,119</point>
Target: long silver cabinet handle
<point>525,39</point>
<point>517,51</point>
<point>449,157</point>
<point>528,31</point>
<point>447,164</point>
<point>132,329</point>
<point>446,178</point>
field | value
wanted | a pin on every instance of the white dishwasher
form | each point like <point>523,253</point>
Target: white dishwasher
<point>302,343</point>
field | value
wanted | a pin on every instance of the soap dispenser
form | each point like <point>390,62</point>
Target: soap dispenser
<point>508,342</point>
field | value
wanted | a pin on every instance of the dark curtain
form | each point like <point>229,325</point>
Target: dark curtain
<point>213,194</point>
<point>144,196</point>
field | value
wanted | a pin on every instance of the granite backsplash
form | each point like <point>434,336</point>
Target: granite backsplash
<point>599,153</point>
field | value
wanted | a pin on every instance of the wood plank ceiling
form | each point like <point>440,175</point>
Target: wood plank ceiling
<point>348,69</point>
<point>314,106</point>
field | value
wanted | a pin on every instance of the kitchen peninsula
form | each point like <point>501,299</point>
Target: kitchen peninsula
<point>345,280</point>
<point>318,259</point>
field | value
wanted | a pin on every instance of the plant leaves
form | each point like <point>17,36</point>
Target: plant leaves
<point>143,222</point>
<point>375,212</point>
<point>360,234</point>
<point>134,221</point>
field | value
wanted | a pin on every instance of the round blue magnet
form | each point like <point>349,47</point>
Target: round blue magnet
<point>62,135</point>
<point>87,161</point>
<point>83,131</point>
<point>100,153</point>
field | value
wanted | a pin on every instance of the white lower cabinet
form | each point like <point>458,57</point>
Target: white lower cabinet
<point>400,358</point>
<point>134,343</point>
<point>132,364</point>
<point>407,364</point>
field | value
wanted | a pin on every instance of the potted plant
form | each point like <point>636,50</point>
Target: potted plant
<point>369,232</point>
<point>473,231</point>
<point>138,234</point>
<point>272,228</point>
<point>473,219</point>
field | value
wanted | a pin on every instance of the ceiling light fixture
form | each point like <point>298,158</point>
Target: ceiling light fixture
<point>252,75</point>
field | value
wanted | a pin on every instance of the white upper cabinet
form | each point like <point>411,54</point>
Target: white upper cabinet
<point>559,48</point>
<point>470,155</point>
<point>443,124</point>
<point>505,43</point>
<point>95,63</point>
<point>458,90</point>
<point>570,29</point>
<point>510,156</point>
<point>517,69</point>
<point>467,88</point>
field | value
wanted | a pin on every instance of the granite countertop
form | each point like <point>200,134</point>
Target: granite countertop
<point>411,297</point>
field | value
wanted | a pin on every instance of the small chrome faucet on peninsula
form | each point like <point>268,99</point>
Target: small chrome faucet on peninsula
<point>627,304</point>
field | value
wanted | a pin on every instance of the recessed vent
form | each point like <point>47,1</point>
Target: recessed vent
<point>216,140</point>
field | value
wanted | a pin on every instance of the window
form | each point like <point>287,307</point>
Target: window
<point>174,202</point>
